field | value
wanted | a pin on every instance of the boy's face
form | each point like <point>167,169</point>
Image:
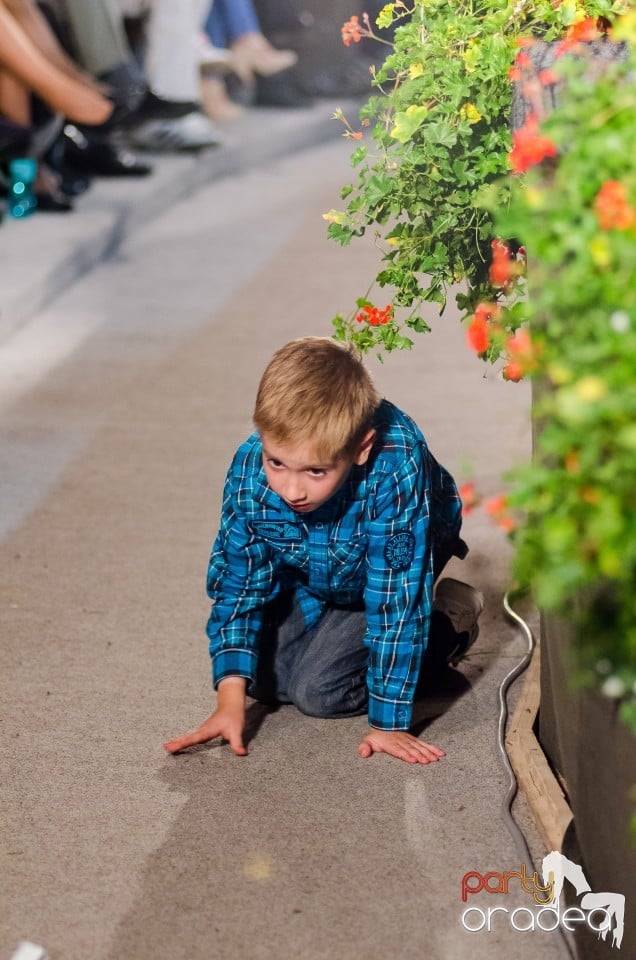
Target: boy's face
<point>302,479</point>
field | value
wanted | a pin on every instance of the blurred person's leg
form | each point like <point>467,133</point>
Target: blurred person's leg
<point>35,24</point>
<point>99,40</point>
<point>20,56</point>
<point>171,63</point>
<point>235,24</point>
<point>228,20</point>
<point>98,33</point>
<point>15,99</point>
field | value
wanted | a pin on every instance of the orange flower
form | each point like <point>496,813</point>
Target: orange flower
<point>374,316</point>
<point>351,30</point>
<point>477,335</point>
<point>468,497</point>
<point>487,311</point>
<point>500,272</point>
<point>520,344</point>
<point>496,505</point>
<point>513,371</point>
<point>497,508</point>
<point>612,208</point>
<point>528,146</point>
<point>547,77</point>
<point>521,355</point>
<point>581,32</point>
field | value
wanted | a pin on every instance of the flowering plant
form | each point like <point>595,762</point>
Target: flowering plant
<point>578,217</point>
<point>438,133</point>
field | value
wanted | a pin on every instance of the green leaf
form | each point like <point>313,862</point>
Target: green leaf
<point>358,156</point>
<point>385,17</point>
<point>408,122</point>
<point>339,233</point>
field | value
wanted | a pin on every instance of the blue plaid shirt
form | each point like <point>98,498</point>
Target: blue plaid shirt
<point>371,541</point>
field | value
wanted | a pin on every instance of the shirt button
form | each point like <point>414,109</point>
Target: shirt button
<point>319,526</point>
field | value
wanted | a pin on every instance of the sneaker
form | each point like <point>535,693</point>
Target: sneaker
<point>462,605</point>
<point>191,132</point>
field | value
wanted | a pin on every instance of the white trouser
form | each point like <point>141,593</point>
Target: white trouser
<point>171,63</point>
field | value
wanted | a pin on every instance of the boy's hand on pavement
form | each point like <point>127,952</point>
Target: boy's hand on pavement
<point>400,744</point>
<point>227,721</point>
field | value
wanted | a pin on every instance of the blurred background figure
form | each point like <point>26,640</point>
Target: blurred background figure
<point>233,26</point>
<point>40,87</point>
<point>171,116</point>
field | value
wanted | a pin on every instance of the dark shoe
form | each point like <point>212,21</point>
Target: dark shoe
<point>461,606</point>
<point>53,202</point>
<point>72,183</point>
<point>156,108</point>
<point>74,186</point>
<point>96,156</point>
<point>15,140</point>
<point>127,84</point>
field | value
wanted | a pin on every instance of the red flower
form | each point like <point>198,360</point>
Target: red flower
<point>547,77</point>
<point>520,344</point>
<point>612,208</point>
<point>477,334</point>
<point>468,497</point>
<point>351,30</point>
<point>374,316</point>
<point>501,271</point>
<point>581,32</point>
<point>497,508</point>
<point>521,355</point>
<point>487,311</point>
<point>528,146</point>
<point>513,371</point>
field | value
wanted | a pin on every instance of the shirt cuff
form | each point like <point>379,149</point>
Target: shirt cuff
<point>233,663</point>
<point>389,714</point>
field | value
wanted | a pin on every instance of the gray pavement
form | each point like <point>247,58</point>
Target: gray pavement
<point>125,389</point>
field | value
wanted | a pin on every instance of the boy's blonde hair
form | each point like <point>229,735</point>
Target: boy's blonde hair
<point>317,390</point>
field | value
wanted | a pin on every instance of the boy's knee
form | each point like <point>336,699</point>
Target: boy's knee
<point>316,699</point>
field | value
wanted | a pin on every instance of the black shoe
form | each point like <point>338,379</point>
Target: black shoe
<point>128,88</point>
<point>95,156</point>
<point>15,139</point>
<point>156,108</point>
<point>72,183</point>
<point>53,202</point>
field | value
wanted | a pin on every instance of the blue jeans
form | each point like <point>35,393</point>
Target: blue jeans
<point>323,671</point>
<point>228,20</point>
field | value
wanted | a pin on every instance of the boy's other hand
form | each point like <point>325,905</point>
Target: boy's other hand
<point>227,721</point>
<point>400,744</point>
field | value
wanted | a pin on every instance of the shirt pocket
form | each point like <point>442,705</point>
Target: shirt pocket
<point>347,558</point>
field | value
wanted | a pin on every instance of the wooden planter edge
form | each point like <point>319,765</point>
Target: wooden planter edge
<point>535,777</point>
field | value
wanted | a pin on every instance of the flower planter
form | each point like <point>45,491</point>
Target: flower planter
<point>595,755</point>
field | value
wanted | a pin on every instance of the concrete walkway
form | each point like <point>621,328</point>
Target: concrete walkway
<point>124,391</point>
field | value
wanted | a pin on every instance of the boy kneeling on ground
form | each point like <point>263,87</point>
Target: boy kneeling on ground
<point>336,522</point>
